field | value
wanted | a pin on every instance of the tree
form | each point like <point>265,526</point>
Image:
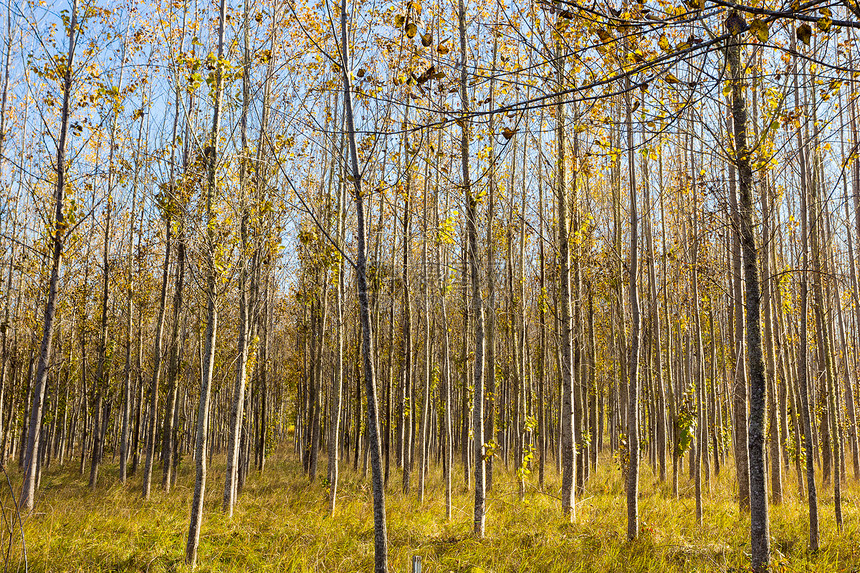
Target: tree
<point>211,157</point>
<point>379,520</point>
<point>477,302</point>
<point>759,521</point>
<point>568,449</point>
<point>63,69</point>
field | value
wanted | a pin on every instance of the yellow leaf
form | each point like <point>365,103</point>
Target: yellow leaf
<point>604,36</point>
<point>804,33</point>
<point>735,23</point>
<point>663,42</point>
<point>760,29</point>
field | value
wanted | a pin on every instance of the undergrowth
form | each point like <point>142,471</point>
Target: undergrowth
<point>281,524</point>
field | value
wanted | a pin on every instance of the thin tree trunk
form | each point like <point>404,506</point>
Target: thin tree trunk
<point>127,402</point>
<point>448,441</point>
<point>542,361</point>
<point>803,362</point>
<point>633,358</point>
<point>490,415</point>
<point>57,243</point>
<point>338,382</point>
<point>477,302</point>
<point>407,412</point>
<point>169,455</point>
<point>759,521</point>
<point>247,259</point>
<point>739,391</point>
<point>568,450</point>
<point>201,441</point>
<point>380,532</point>
<point>157,362</point>
<point>425,407</point>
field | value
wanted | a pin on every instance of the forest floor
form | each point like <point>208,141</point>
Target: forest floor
<point>281,524</point>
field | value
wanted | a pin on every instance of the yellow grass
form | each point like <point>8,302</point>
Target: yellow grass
<point>281,524</point>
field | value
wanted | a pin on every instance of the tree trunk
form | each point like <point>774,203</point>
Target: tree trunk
<point>247,259</point>
<point>169,455</point>
<point>759,521</point>
<point>407,412</point>
<point>157,362</point>
<point>58,233</point>
<point>380,533</point>
<point>739,389</point>
<point>337,382</point>
<point>425,407</point>
<point>477,302</point>
<point>803,362</point>
<point>633,358</point>
<point>568,450</point>
<point>445,378</point>
<point>208,358</point>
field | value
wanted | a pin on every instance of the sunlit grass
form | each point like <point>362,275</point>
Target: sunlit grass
<point>281,524</point>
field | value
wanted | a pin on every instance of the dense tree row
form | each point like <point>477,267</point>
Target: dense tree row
<point>419,237</point>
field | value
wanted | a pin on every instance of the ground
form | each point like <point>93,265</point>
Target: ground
<point>281,524</point>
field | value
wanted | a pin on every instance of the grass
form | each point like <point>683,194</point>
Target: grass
<point>281,524</point>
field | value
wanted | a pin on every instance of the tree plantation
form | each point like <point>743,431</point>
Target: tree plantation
<point>422,285</point>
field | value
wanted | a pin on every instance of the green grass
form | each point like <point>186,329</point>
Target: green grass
<point>281,524</point>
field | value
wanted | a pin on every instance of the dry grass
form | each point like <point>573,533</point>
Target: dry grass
<point>281,524</point>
